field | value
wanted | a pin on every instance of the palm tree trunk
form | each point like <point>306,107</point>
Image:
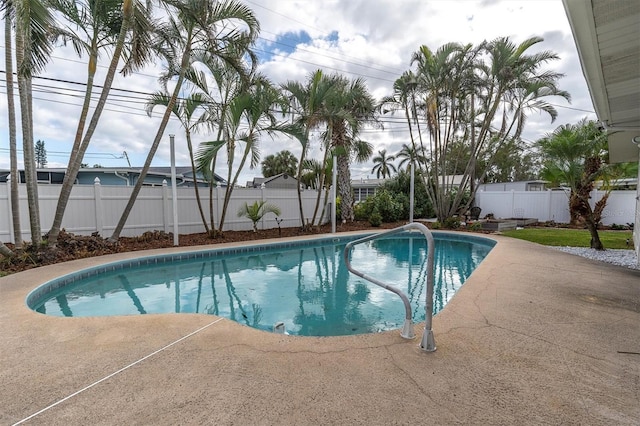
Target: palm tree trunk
<point>319,189</point>
<point>27,143</point>
<point>195,181</point>
<point>344,188</point>
<point>5,251</point>
<point>75,161</point>
<point>154,147</point>
<point>299,178</point>
<point>13,146</point>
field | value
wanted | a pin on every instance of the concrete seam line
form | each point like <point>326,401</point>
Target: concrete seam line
<point>116,372</point>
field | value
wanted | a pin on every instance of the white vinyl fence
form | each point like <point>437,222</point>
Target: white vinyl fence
<point>554,205</point>
<point>97,208</point>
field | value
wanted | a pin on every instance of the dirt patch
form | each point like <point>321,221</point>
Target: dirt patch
<point>71,247</point>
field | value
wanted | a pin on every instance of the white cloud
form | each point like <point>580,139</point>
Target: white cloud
<point>372,39</point>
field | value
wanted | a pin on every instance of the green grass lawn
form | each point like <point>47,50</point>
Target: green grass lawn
<point>572,237</point>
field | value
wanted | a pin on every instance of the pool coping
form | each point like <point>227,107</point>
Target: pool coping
<point>534,336</point>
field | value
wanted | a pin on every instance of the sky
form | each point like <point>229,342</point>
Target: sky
<point>370,39</point>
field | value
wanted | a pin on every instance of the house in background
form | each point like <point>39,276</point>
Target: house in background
<point>127,176</point>
<point>363,188</point>
<point>280,181</point>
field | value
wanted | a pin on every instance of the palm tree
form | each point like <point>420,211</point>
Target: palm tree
<point>248,115</point>
<point>383,164</point>
<point>257,211</point>
<point>282,162</point>
<point>574,156</point>
<point>33,21</point>
<point>184,109</point>
<point>197,26</point>
<point>408,155</point>
<point>485,102</point>
<point>404,98</point>
<point>350,107</point>
<point>13,145</point>
<point>308,104</point>
<point>100,25</point>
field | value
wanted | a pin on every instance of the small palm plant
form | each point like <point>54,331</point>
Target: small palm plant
<point>256,211</point>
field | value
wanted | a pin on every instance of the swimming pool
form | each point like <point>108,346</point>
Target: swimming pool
<point>305,284</point>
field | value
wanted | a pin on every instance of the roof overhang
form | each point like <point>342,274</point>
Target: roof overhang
<point>607,36</point>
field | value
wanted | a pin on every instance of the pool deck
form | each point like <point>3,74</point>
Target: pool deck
<point>535,336</point>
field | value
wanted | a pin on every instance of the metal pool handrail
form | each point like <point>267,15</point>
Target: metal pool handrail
<point>428,343</point>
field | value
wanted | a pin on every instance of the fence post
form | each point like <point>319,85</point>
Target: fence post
<point>165,206</point>
<point>262,187</point>
<point>10,211</point>
<point>97,197</point>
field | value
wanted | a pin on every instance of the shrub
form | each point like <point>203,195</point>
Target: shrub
<point>451,223</point>
<point>375,219</point>
<point>385,203</point>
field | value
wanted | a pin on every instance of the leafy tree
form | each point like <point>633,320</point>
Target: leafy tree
<point>257,211</point>
<point>401,184</point>
<point>383,164</point>
<point>282,162</point>
<point>574,155</point>
<point>41,154</point>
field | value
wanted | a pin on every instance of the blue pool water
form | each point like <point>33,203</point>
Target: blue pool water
<point>305,285</point>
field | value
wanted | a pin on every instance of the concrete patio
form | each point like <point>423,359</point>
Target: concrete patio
<point>535,336</point>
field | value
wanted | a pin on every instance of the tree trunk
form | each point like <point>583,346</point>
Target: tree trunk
<point>13,145</point>
<point>27,143</point>
<point>75,161</point>
<point>595,238</point>
<point>5,251</point>
<point>344,189</point>
<point>154,147</point>
<point>195,182</point>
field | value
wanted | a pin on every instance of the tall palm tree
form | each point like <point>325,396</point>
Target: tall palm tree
<point>351,106</point>
<point>185,109</point>
<point>409,155</point>
<point>220,28</point>
<point>227,83</point>
<point>13,145</point>
<point>486,101</point>
<point>33,22</point>
<point>248,116</point>
<point>308,102</point>
<point>383,164</point>
<point>99,25</point>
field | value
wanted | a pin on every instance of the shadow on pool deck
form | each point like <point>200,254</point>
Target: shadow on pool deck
<point>535,336</point>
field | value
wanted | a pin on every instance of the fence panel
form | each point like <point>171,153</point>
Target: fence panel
<point>553,205</point>
<point>97,208</point>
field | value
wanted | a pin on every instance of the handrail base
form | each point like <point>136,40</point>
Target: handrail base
<point>428,343</point>
<point>407,330</point>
